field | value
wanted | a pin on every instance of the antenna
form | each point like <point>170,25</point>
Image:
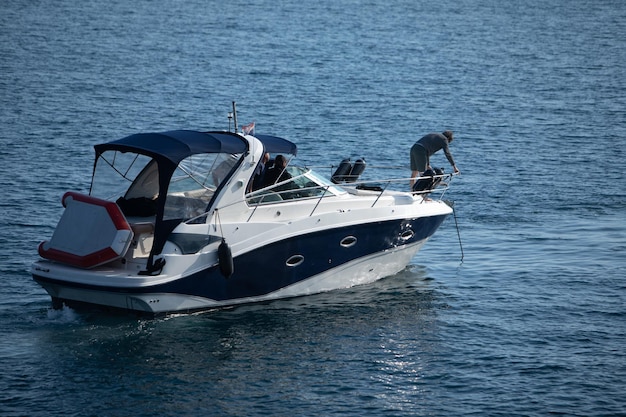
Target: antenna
<point>235,115</point>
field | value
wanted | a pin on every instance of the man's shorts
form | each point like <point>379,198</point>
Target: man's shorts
<point>419,158</point>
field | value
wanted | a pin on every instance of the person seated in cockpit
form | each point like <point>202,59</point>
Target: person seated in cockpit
<point>258,179</point>
<point>277,173</point>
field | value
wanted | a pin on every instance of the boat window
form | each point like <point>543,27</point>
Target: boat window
<point>324,182</point>
<point>195,180</point>
<point>146,184</point>
<point>126,175</point>
<point>132,180</point>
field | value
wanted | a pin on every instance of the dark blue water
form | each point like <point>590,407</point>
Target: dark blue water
<point>532,322</point>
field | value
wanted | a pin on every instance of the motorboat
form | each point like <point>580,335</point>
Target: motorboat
<point>181,221</point>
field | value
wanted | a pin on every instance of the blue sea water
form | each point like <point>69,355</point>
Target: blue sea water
<point>531,322</point>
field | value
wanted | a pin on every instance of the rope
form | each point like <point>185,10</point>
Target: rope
<point>458,233</point>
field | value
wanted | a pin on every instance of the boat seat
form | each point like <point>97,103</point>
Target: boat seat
<point>142,241</point>
<point>91,232</point>
<point>142,227</point>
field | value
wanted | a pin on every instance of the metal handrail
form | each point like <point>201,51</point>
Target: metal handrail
<point>268,192</point>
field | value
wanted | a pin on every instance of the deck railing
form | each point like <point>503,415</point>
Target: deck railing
<point>280,192</point>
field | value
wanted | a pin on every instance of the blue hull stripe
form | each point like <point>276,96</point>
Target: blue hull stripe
<point>265,270</point>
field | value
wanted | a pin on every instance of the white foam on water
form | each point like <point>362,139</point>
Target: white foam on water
<point>63,315</point>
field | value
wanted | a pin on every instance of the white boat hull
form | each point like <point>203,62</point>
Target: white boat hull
<point>357,272</point>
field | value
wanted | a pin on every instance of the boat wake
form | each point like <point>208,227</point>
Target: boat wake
<point>63,315</point>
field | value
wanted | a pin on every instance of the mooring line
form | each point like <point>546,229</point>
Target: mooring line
<point>458,232</point>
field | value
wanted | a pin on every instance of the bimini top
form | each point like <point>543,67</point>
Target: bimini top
<point>275,144</point>
<point>176,145</point>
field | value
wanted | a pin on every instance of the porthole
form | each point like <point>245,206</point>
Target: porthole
<point>407,234</point>
<point>348,241</point>
<point>295,260</point>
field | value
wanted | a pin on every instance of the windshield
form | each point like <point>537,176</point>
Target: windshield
<point>300,183</point>
<point>321,181</point>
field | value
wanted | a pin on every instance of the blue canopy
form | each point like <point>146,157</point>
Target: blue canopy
<point>176,145</point>
<point>275,144</point>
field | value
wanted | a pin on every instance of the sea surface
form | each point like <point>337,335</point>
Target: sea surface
<point>524,315</point>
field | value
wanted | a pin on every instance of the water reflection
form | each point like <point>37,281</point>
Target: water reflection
<point>303,350</point>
